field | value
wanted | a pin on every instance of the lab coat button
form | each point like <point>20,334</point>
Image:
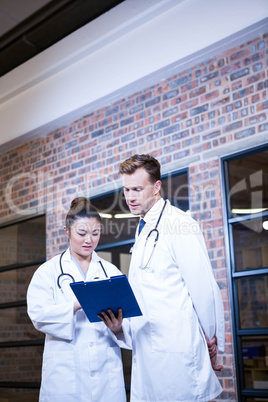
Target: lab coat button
<point>92,373</point>
<point>91,344</point>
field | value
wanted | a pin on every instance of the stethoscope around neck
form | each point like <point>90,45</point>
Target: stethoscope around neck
<point>62,274</point>
<point>153,231</point>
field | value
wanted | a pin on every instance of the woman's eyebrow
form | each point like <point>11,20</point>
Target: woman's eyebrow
<point>81,230</point>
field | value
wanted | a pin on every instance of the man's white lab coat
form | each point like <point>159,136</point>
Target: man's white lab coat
<point>81,363</point>
<point>181,302</point>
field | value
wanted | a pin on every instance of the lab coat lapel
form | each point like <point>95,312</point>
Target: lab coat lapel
<point>69,266</point>
<point>95,270</point>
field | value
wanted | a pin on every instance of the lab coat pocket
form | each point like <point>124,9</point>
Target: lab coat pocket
<point>58,374</point>
<point>170,330</point>
<point>115,367</point>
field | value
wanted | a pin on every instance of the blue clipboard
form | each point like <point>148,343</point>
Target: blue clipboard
<point>112,293</point>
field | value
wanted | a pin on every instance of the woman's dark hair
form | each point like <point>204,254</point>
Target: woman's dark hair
<point>80,208</point>
<point>147,162</point>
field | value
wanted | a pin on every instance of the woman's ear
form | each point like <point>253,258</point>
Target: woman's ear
<point>66,232</point>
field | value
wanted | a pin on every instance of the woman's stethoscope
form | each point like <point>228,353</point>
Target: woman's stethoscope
<point>62,274</point>
<point>156,232</point>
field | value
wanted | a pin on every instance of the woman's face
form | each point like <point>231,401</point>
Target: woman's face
<point>84,236</point>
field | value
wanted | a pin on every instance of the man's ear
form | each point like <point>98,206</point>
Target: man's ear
<point>157,185</point>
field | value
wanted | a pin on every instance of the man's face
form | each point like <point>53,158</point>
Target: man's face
<point>139,192</point>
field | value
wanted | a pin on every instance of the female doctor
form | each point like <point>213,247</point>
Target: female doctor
<point>81,362</point>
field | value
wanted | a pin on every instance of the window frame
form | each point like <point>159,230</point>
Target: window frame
<point>234,275</point>
<point>20,303</point>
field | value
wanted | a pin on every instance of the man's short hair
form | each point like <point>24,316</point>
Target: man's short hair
<point>146,162</point>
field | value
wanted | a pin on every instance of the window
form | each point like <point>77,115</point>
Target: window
<point>119,228</point>
<point>23,249</point>
<point>246,188</point>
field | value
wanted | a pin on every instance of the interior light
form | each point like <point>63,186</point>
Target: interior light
<point>124,216</point>
<point>265,225</point>
<point>108,216</point>
<point>247,211</point>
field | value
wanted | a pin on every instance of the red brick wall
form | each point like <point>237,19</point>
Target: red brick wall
<point>188,120</point>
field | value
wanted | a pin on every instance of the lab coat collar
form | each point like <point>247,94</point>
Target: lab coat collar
<point>151,218</point>
<point>94,265</point>
<point>67,256</point>
<point>153,214</point>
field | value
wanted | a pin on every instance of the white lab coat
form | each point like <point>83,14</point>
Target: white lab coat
<point>81,362</point>
<point>180,301</point>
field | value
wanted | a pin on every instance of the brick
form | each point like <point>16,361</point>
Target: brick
<point>170,94</point>
<point>263,127</point>
<point>244,133</point>
<point>210,95</point>
<point>239,74</point>
<point>211,135</point>
<point>126,122</point>
<point>162,124</point>
<point>178,82</point>
<point>171,129</point>
<point>152,101</point>
<point>239,54</point>
<point>136,109</point>
<point>210,76</point>
<point>198,110</point>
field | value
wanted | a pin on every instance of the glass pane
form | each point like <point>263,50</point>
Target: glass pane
<point>119,256</point>
<point>120,225</point>
<point>175,189</point>
<point>21,364</point>
<point>248,184</point>
<point>17,326</point>
<point>14,284</point>
<point>255,362</point>
<point>253,301</point>
<point>250,244</point>
<point>258,399</point>
<point>23,242</point>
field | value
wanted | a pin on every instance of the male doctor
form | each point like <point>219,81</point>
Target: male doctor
<point>175,341</point>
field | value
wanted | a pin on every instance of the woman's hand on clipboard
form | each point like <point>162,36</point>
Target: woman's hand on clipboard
<point>77,306</point>
<point>111,321</point>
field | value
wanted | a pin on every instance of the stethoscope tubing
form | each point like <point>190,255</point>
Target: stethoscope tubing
<point>70,276</point>
<point>155,240</point>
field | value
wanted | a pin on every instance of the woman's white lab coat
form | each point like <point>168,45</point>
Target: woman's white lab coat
<point>81,362</point>
<point>179,299</point>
